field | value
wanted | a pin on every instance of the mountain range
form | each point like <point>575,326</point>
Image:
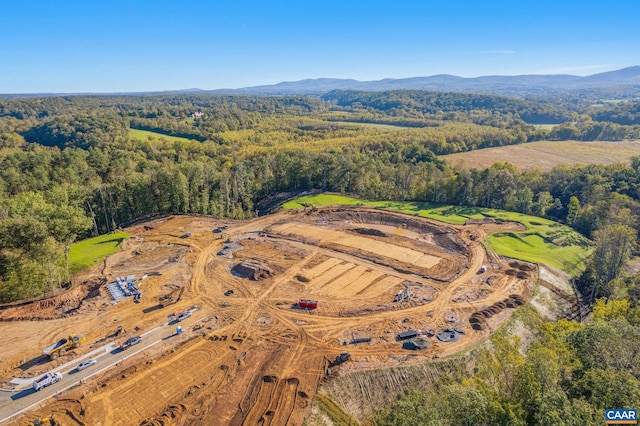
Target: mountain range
<point>621,83</point>
<point>625,82</point>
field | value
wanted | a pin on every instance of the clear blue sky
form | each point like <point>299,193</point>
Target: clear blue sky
<point>141,45</point>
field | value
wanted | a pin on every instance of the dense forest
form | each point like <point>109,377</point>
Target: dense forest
<point>72,167</point>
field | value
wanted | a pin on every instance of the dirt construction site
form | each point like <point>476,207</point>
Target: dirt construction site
<point>388,288</point>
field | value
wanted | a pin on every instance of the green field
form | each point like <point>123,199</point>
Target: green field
<point>144,135</point>
<point>543,241</point>
<point>92,250</point>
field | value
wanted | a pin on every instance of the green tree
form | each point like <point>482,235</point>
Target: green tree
<point>572,209</point>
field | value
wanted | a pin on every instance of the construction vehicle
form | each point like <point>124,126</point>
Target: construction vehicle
<point>340,359</point>
<point>61,346</point>
<point>174,315</point>
<point>172,297</point>
<point>307,304</point>
<point>46,380</point>
<point>46,421</point>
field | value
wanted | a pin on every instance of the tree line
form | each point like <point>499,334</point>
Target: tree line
<point>72,157</point>
<point>569,375</point>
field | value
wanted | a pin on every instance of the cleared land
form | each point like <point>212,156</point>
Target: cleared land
<point>546,155</point>
<point>144,135</point>
<point>247,355</point>
<point>541,240</point>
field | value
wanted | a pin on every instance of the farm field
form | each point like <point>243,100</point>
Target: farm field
<point>248,355</point>
<point>546,155</point>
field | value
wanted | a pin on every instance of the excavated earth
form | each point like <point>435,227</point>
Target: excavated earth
<point>248,355</point>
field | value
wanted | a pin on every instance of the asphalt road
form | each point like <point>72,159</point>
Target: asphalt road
<point>20,401</point>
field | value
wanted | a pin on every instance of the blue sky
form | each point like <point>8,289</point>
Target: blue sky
<point>113,45</point>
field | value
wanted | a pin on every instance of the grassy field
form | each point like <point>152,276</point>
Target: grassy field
<point>91,251</point>
<point>543,241</point>
<point>145,135</point>
<point>547,154</point>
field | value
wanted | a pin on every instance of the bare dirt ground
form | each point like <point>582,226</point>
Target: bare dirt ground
<point>256,359</point>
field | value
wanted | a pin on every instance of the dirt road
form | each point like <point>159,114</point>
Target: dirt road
<point>254,358</point>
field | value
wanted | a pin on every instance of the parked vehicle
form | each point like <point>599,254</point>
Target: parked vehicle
<point>130,342</point>
<point>86,364</point>
<point>183,316</point>
<point>46,380</point>
<point>307,304</point>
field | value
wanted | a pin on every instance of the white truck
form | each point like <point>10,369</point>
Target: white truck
<point>46,380</point>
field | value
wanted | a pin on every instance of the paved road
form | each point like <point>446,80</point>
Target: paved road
<point>18,402</point>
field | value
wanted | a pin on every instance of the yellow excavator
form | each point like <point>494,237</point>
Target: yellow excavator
<point>172,297</point>
<point>47,421</point>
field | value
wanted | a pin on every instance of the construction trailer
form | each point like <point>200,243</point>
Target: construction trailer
<point>307,304</point>
<point>357,340</point>
<point>409,334</point>
<point>62,346</point>
<point>172,297</point>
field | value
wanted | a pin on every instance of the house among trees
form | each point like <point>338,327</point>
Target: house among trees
<point>197,114</point>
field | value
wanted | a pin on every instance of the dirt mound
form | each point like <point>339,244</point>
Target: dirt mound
<point>252,269</point>
<point>478,319</point>
<point>465,294</point>
<point>416,344</point>
<point>369,231</point>
<point>522,266</point>
<point>60,306</point>
<point>302,278</point>
<point>450,334</point>
<point>228,249</point>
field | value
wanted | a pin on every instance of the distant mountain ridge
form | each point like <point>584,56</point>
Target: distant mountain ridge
<point>626,81</point>
<point>623,82</point>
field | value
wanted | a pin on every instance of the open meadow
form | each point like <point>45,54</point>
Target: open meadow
<point>546,155</point>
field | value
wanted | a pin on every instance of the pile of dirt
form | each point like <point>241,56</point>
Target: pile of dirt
<point>466,294</point>
<point>450,334</point>
<point>369,231</point>
<point>478,320</point>
<point>252,269</point>
<point>416,344</point>
<point>522,266</point>
<point>60,306</point>
<point>228,249</point>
